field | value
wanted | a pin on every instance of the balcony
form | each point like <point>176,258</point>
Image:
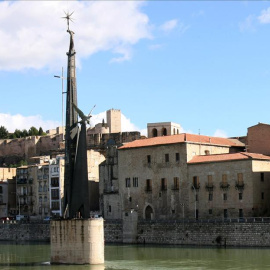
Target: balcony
<point>196,186</point>
<point>239,185</point>
<point>224,185</point>
<point>209,187</point>
<point>22,181</point>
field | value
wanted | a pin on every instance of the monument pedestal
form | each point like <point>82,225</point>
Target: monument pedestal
<point>77,241</point>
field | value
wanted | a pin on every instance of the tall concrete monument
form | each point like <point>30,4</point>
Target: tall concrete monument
<point>76,239</point>
<point>76,197</point>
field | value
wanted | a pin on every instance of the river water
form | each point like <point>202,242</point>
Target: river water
<point>129,257</point>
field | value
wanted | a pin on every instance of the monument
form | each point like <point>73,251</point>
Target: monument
<point>77,238</point>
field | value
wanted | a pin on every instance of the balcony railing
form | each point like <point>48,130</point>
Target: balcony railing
<point>239,185</point>
<point>175,187</point>
<point>224,185</point>
<point>22,181</point>
<point>209,187</point>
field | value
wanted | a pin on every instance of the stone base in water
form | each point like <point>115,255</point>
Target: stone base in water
<point>77,241</point>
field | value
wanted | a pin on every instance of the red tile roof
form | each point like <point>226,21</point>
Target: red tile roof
<point>181,138</point>
<point>227,157</point>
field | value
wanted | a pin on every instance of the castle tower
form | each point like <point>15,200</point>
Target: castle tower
<point>114,120</point>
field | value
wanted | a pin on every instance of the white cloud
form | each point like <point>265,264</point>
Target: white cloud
<point>265,16</point>
<point>220,133</point>
<point>248,24</point>
<point>156,46</point>
<point>33,35</point>
<point>169,25</point>
<point>18,121</point>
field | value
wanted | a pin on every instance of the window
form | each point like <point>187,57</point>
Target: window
<point>130,199</point>
<point>225,213</point>
<point>148,185</point>
<point>1,189</point>
<point>175,183</point>
<point>262,177</point>
<point>173,211</point>
<point>45,187</point>
<point>55,206</point>
<point>224,179</point>
<point>40,210</point>
<point>262,195</point>
<point>196,182</point>
<point>225,196</point>
<point>55,194</point>
<point>154,132</point>
<point>177,157</point>
<point>148,159</point>
<point>210,211</point>
<point>135,181</point>
<point>210,197</point>
<point>164,132</point>
<point>55,182</point>
<point>1,199</point>
<point>240,180</point>
<point>166,157</point>
<point>210,180</point>
<point>207,152</point>
<point>163,184</point>
<point>40,199</point>
<point>110,208</point>
<point>240,196</point>
<point>45,199</point>
<point>127,182</point>
<point>241,213</point>
<point>197,197</point>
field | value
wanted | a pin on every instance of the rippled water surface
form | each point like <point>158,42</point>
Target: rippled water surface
<point>128,257</point>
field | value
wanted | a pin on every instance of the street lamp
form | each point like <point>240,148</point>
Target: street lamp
<point>62,77</point>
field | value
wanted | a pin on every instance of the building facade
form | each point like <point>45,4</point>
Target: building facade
<point>184,176</point>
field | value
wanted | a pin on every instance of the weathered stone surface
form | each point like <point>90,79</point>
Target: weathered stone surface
<point>77,241</point>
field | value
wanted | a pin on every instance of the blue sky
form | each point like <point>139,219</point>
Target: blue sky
<point>204,65</point>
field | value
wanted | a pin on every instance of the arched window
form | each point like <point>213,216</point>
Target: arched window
<point>174,131</point>
<point>164,132</point>
<point>154,132</point>
<point>148,212</point>
<point>177,131</point>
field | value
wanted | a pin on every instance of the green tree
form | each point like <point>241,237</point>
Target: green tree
<point>24,133</point>
<point>41,132</point>
<point>17,133</point>
<point>33,131</point>
<point>3,133</point>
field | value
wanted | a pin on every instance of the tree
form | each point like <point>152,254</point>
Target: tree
<point>41,132</point>
<point>32,131</point>
<point>17,133</point>
<point>24,133</point>
<point>3,133</point>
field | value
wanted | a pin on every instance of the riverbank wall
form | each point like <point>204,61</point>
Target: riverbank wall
<point>24,232</point>
<point>236,234</point>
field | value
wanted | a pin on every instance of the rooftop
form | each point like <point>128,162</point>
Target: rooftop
<point>228,157</point>
<point>181,138</point>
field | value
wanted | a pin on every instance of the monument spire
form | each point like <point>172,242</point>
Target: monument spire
<point>76,201</point>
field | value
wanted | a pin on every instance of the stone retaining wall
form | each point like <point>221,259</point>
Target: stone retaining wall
<point>12,231</point>
<point>252,234</point>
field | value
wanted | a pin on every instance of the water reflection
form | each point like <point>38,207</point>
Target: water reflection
<point>127,257</point>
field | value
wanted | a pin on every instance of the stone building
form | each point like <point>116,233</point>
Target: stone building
<point>4,211</point>
<point>152,175</point>
<point>185,176</point>
<point>258,138</point>
<point>229,185</point>
<point>162,129</point>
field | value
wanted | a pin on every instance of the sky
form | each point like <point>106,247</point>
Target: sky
<point>202,64</point>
